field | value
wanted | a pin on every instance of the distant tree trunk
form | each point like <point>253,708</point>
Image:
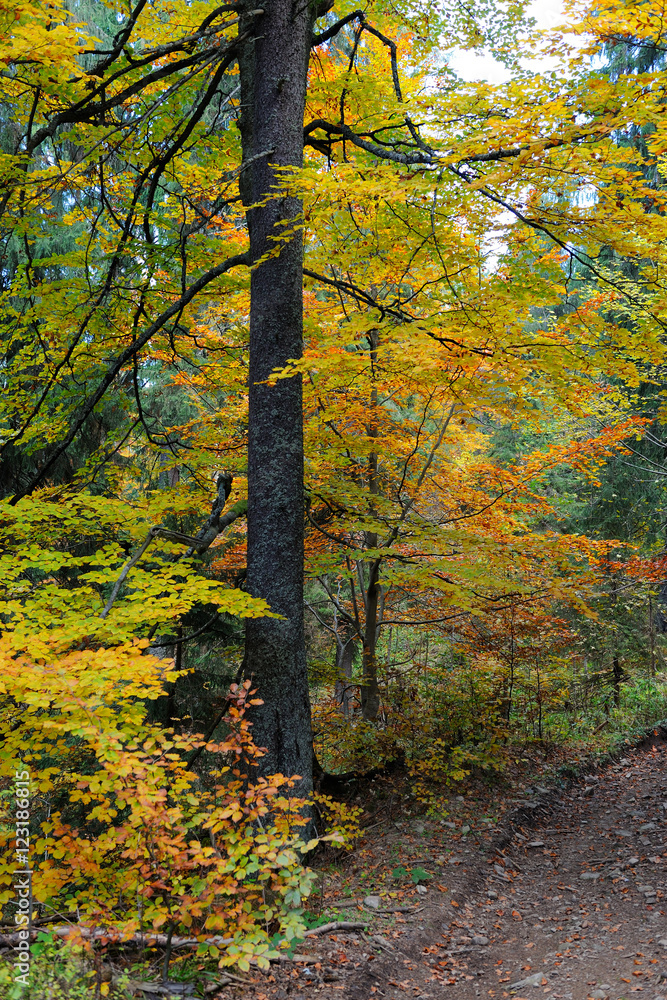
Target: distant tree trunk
<point>651,632</point>
<point>370,691</point>
<point>273,70</point>
<point>346,648</point>
<point>538,697</point>
<point>506,701</point>
<point>616,660</point>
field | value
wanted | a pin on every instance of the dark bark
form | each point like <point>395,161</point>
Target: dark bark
<point>346,648</point>
<point>273,69</point>
<point>370,691</point>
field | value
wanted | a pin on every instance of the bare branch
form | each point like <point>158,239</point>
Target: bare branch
<point>324,36</point>
<point>130,352</point>
<point>126,569</point>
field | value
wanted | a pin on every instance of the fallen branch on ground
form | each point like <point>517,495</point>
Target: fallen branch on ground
<point>336,925</point>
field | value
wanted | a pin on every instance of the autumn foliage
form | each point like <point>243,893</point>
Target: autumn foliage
<point>484,314</point>
<point>134,842</point>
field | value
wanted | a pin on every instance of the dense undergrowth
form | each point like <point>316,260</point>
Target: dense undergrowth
<point>418,774</point>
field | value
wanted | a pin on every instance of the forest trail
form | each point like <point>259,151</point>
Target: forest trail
<point>572,907</point>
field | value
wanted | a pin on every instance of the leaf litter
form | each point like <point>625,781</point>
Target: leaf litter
<point>571,906</point>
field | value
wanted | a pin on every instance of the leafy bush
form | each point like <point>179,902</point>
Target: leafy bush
<point>154,847</point>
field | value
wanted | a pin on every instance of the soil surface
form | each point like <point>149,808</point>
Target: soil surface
<point>569,902</point>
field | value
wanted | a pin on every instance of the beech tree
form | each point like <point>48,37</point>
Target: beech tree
<point>273,69</point>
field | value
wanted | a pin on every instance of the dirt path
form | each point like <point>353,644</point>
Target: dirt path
<point>574,907</point>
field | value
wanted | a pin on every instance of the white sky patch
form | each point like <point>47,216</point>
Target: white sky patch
<point>469,66</point>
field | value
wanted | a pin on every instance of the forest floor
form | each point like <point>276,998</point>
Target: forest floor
<point>565,898</point>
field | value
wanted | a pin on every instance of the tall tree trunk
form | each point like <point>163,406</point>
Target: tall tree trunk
<point>370,692</point>
<point>273,70</point>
